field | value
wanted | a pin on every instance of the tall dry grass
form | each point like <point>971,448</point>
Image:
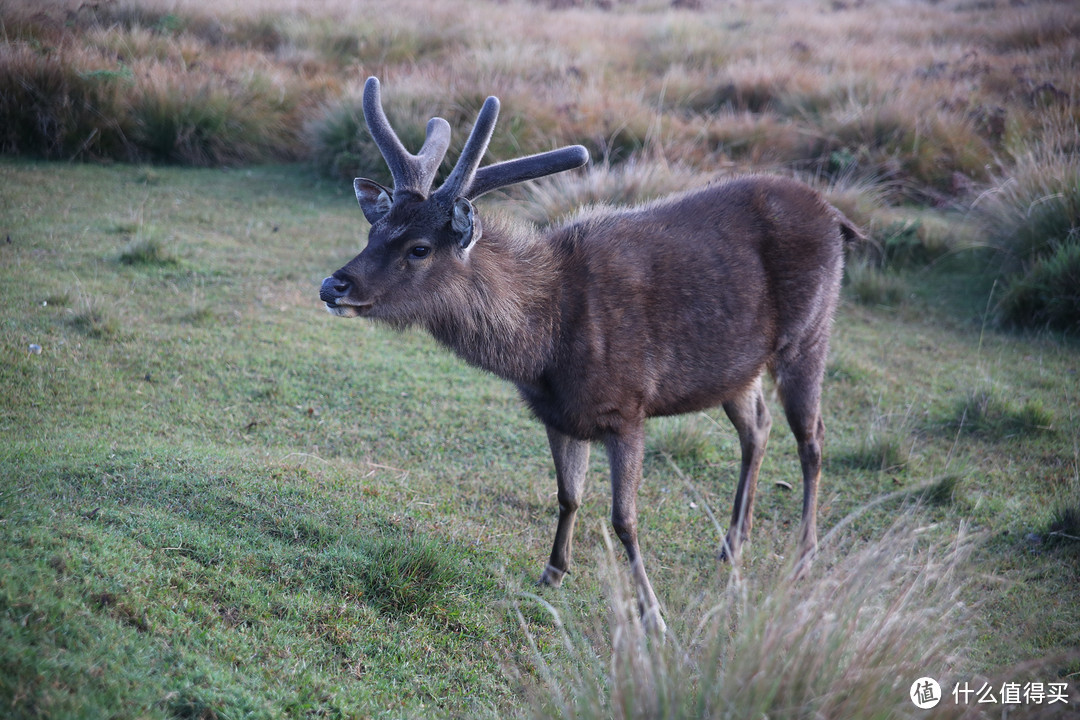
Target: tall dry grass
<point>846,642</point>
<point>126,82</point>
<point>925,92</point>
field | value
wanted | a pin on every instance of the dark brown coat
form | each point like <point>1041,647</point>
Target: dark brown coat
<point>620,315</point>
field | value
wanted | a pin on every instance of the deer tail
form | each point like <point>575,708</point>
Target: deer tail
<point>849,231</point>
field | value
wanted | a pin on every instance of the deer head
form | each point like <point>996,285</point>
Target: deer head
<point>420,240</point>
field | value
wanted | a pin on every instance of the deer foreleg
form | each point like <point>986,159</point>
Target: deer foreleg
<point>571,463</point>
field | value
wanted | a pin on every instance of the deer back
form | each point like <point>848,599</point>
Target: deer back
<point>679,305</point>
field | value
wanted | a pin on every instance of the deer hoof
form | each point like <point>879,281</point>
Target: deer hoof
<point>729,551</point>
<point>805,563</point>
<point>552,576</point>
<point>653,622</point>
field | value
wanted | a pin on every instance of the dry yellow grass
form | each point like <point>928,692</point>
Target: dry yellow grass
<point>923,90</point>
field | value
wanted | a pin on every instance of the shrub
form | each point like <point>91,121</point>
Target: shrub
<point>61,104</point>
<point>206,121</point>
<point>869,285</point>
<point>1048,295</point>
<point>1033,217</point>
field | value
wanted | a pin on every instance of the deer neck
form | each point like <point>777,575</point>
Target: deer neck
<point>504,315</point>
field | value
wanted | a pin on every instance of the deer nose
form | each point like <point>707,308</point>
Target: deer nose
<point>333,289</point>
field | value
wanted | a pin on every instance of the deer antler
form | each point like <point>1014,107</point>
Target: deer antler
<point>469,182</point>
<point>411,173</point>
<point>465,170</point>
<point>415,173</point>
<point>530,167</point>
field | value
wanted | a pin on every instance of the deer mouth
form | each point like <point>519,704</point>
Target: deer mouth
<point>347,308</point>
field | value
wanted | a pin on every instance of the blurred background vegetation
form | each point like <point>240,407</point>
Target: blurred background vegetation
<point>965,107</point>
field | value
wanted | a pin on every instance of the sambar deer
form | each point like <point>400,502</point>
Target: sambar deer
<point>616,316</point>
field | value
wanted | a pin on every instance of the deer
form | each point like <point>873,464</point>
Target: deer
<point>614,316</point>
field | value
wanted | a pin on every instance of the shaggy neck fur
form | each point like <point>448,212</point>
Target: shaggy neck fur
<point>502,315</point>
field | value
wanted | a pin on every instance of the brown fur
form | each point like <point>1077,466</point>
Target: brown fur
<point>624,314</point>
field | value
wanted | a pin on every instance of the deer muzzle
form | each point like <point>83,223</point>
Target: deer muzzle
<point>334,292</point>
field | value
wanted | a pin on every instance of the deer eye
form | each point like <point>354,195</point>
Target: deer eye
<point>419,251</point>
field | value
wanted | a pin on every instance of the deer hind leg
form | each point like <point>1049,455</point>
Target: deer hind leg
<point>571,463</point>
<point>625,454</point>
<point>751,418</point>
<point>800,391</point>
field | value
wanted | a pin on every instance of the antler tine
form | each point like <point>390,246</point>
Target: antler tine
<point>460,180</point>
<point>530,167</point>
<point>413,173</point>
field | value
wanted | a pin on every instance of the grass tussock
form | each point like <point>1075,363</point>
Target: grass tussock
<point>887,446</point>
<point>1048,294</point>
<point>147,252</point>
<point>846,642</point>
<point>338,140</point>
<point>1032,216</point>
<point>133,84</point>
<point>685,440</point>
<point>62,104</point>
<point>913,240</point>
<point>204,121</point>
<point>883,452</point>
<point>407,575</point>
<point>986,412</point>
<point>944,490</point>
<point>868,284</point>
<point>929,102</point>
<point>1065,521</point>
<point>96,323</point>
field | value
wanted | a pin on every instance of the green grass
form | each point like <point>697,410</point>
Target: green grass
<point>219,501</point>
<point>167,584</point>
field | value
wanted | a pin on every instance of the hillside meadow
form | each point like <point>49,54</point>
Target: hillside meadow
<point>217,501</point>
<point>956,104</point>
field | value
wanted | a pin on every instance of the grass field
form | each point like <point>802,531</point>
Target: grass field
<point>217,501</point>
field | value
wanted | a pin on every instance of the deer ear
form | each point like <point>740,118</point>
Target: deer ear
<point>465,223</point>
<point>374,199</point>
